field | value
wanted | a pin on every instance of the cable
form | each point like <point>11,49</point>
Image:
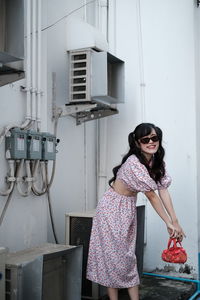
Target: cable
<point>49,183</point>
<point>35,189</point>
<point>51,217</point>
<point>6,205</point>
<point>50,210</point>
<point>7,201</point>
<point>26,125</point>
<point>54,162</point>
<point>10,179</point>
<point>67,15</point>
<point>20,179</point>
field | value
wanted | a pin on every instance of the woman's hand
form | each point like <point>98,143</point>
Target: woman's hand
<point>175,231</point>
<point>171,230</point>
<point>179,231</point>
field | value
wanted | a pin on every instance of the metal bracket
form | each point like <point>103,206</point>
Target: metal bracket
<point>9,75</point>
<point>94,114</point>
<point>70,109</point>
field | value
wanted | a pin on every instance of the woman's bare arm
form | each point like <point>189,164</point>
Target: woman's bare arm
<point>167,202</point>
<point>158,207</point>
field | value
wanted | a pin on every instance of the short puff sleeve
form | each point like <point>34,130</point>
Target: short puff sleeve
<point>165,181</point>
<point>136,176</point>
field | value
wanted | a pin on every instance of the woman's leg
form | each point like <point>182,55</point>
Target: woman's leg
<point>113,293</point>
<point>134,293</point>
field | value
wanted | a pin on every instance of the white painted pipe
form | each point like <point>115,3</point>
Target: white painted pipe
<point>99,14</point>
<point>28,70</point>
<point>112,26</point>
<point>33,65</point>
<point>28,60</point>
<point>141,62</point>
<point>104,17</point>
<point>85,168</point>
<point>85,10</point>
<point>38,113</point>
<point>102,126</point>
<point>102,165</point>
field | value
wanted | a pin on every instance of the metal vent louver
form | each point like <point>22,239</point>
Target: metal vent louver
<point>79,76</point>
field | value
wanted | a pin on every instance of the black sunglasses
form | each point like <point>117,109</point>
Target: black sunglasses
<point>146,140</point>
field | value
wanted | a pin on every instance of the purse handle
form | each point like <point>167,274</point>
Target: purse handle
<point>174,241</point>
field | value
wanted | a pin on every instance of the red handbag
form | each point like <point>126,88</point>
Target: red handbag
<point>174,253</point>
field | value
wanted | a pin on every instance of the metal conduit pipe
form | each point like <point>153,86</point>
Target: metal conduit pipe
<point>33,61</point>
<point>38,111</point>
<point>28,121</point>
<point>102,135</point>
<point>28,60</point>
<point>171,277</point>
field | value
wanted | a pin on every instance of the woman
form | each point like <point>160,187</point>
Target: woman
<point>111,259</point>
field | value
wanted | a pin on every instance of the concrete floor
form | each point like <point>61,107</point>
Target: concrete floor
<point>154,288</point>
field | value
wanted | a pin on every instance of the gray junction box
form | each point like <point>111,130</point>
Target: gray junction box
<point>16,144</point>
<point>48,146</point>
<point>34,145</point>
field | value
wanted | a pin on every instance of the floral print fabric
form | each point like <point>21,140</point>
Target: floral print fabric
<point>111,258</point>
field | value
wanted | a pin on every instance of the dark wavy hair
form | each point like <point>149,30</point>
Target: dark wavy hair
<point>157,170</point>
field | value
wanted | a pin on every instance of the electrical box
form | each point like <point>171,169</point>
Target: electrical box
<point>95,76</point>
<point>2,272</point>
<point>16,144</point>
<point>34,145</point>
<point>48,146</point>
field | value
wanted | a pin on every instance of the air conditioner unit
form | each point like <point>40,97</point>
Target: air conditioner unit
<point>46,272</point>
<point>2,272</point>
<point>95,76</point>
<point>78,230</point>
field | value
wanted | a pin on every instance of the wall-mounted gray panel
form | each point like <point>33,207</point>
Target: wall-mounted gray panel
<point>99,84</point>
<point>107,78</point>
<point>15,28</point>
<point>11,30</point>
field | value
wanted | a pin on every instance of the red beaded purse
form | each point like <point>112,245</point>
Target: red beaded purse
<point>174,253</point>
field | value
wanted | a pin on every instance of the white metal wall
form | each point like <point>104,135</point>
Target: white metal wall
<point>156,39</point>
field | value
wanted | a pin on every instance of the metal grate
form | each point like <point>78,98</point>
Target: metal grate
<point>79,75</point>
<point>80,229</point>
<point>8,284</point>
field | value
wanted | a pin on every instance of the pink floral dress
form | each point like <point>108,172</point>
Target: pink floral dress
<point>111,258</point>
